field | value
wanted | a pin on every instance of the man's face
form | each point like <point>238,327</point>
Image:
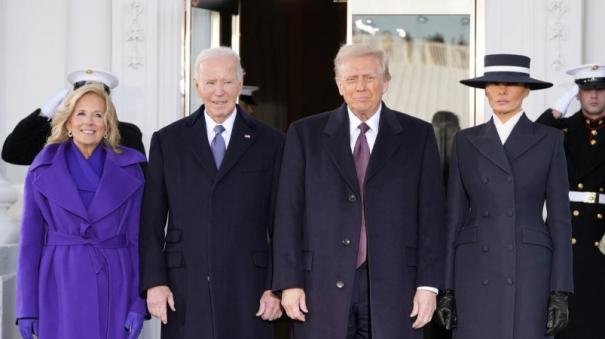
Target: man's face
<point>593,102</point>
<point>218,87</point>
<point>361,84</point>
<point>506,98</point>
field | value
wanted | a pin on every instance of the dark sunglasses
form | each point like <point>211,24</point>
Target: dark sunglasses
<point>82,83</point>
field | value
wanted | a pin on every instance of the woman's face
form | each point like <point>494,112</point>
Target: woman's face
<point>506,98</point>
<point>87,122</point>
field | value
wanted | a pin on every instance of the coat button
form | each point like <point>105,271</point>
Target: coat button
<point>484,180</point>
<point>340,284</point>
<point>509,213</point>
<point>485,248</point>
<point>594,132</point>
<point>352,197</point>
<point>575,213</point>
<point>486,214</point>
<point>580,186</point>
<point>596,244</point>
<point>346,242</point>
<point>593,142</point>
<point>509,281</point>
<point>601,189</point>
<point>485,282</point>
<point>600,216</point>
<point>573,241</point>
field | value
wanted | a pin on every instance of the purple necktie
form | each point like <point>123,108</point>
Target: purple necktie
<point>361,156</point>
<point>218,146</point>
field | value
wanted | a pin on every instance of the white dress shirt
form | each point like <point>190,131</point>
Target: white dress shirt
<point>373,122</point>
<point>505,128</point>
<point>227,124</point>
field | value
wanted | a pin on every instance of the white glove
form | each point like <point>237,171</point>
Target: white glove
<point>49,109</point>
<point>602,244</point>
<point>565,100</point>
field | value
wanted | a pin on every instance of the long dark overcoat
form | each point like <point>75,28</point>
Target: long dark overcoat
<point>586,165</point>
<point>318,220</point>
<point>215,256</point>
<point>78,266</point>
<point>503,260</point>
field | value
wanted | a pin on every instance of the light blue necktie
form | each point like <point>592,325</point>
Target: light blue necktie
<point>218,145</point>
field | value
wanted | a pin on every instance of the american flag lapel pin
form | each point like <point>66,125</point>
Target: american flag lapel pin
<point>247,136</point>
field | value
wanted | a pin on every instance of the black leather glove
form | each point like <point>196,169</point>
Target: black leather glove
<point>558,312</point>
<point>446,310</point>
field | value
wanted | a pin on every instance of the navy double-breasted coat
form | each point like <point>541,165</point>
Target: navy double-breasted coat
<point>503,260</point>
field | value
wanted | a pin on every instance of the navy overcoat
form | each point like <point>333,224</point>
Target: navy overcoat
<point>318,222</point>
<point>503,260</point>
<point>215,254</point>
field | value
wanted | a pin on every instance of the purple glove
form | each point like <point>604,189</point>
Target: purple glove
<point>28,327</point>
<point>134,324</point>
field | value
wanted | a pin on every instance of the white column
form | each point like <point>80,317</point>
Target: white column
<point>9,238</point>
<point>88,34</point>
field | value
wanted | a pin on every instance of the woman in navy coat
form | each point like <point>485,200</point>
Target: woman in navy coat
<point>77,273</point>
<point>508,273</point>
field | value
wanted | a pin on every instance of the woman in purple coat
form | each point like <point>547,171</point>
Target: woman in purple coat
<point>77,274</point>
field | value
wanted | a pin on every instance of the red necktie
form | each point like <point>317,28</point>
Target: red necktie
<point>361,156</point>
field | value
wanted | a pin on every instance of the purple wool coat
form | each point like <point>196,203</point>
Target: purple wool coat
<point>78,268</point>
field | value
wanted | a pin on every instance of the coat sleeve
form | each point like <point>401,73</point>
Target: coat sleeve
<point>273,198</point>
<point>430,213</point>
<point>456,210</point>
<point>559,219</point>
<point>30,249</point>
<point>154,211</point>
<point>26,140</point>
<point>289,217</point>
<point>548,119</point>
<point>137,304</point>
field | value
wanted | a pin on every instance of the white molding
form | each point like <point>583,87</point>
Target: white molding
<point>135,34</point>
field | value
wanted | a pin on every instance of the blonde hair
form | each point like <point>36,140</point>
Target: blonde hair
<point>351,51</point>
<point>59,132</point>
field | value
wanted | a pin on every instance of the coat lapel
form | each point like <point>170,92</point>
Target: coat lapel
<point>521,139</point>
<point>337,142</point>
<point>196,140</point>
<point>243,135</point>
<point>387,141</point>
<point>116,186</point>
<point>57,186</point>
<point>488,143</point>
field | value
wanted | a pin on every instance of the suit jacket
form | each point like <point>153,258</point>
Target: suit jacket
<point>29,137</point>
<point>215,254</point>
<point>503,260</point>
<point>78,266</point>
<point>318,220</point>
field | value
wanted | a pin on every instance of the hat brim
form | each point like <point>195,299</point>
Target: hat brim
<point>506,77</point>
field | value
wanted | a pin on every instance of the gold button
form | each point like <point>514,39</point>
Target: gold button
<point>599,216</point>
<point>593,142</point>
<point>594,132</point>
<point>580,186</point>
<point>600,122</point>
<point>596,244</point>
<point>565,130</point>
<point>573,241</point>
<point>575,213</point>
<point>601,189</point>
<point>588,121</point>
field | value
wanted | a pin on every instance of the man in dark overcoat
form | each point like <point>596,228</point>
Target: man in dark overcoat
<point>359,228</point>
<point>212,175</point>
<point>585,153</point>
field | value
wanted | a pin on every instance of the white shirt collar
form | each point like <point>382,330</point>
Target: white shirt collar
<point>505,129</point>
<point>227,124</point>
<point>373,122</point>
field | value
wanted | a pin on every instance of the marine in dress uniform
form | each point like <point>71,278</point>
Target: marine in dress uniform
<point>585,153</point>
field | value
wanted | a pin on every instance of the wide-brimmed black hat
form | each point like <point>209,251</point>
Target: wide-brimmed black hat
<point>506,68</point>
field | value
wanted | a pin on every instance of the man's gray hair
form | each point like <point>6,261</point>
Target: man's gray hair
<point>351,51</point>
<point>219,52</point>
